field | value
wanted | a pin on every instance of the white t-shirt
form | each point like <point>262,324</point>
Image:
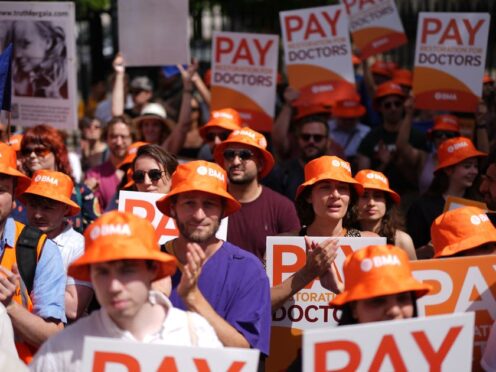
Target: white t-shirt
<point>64,351</point>
<point>488,361</point>
<point>6,333</point>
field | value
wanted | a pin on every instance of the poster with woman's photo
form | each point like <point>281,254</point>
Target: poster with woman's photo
<point>43,62</point>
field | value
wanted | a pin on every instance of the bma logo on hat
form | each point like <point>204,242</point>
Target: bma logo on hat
<point>477,219</point>
<point>378,177</point>
<point>46,179</point>
<point>110,229</point>
<point>369,263</point>
<point>322,88</point>
<point>338,163</point>
<point>206,171</point>
<point>243,132</point>
<point>222,114</point>
<point>457,146</point>
<point>350,103</point>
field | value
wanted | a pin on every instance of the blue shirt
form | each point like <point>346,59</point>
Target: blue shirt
<point>49,278</point>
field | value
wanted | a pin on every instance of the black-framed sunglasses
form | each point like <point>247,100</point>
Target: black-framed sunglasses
<point>153,174</point>
<point>316,137</point>
<point>40,152</point>
<point>439,134</point>
<point>210,137</point>
<point>389,105</point>
<point>242,154</point>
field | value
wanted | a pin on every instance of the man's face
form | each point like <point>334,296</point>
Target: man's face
<point>198,215</point>
<point>488,187</point>
<point>241,164</point>
<point>391,108</point>
<point>46,214</point>
<point>312,140</point>
<point>6,196</point>
<point>119,139</point>
<point>121,288</point>
<point>216,135</point>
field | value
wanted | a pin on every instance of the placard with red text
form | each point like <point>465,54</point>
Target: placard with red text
<point>375,25</point>
<point>244,76</point>
<point>142,204</point>
<point>462,284</point>
<point>109,355</point>
<point>309,308</point>
<point>317,49</point>
<point>450,56</point>
<point>438,343</point>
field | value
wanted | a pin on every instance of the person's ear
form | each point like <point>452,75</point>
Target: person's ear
<point>172,211</point>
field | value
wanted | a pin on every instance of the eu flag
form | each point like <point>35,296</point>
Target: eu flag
<point>6,78</point>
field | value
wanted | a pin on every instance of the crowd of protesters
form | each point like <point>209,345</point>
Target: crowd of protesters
<point>362,163</point>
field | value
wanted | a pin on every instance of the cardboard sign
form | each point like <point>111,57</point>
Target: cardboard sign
<point>104,354</point>
<point>439,343</point>
<point>465,284</point>
<point>450,57</point>
<point>153,32</point>
<point>453,202</point>
<point>142,204</point>
<point>43,63</point>
<point>375,25</point>
<point>309,308</point>
<point>244,76</point>
<point>317,49</point>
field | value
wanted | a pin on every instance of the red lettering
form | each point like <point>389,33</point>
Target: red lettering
<point>102,358</point>
<point>168,365</point>
<point>280,269</point>
<point>332,21</point>
<point>162,228</point>
<point>349,347</point>
<point>224,46</point>
<point>202,366</point>
<point>435,359</point>
<point>292,24</point>
<point>131,204</point>
<point>472,30</point>
<point>313,27</point>
<point>262,50</point>
<point>348,5</point>
<point>243,52</point>
<point>430,26</point>
<point>388,347</point>
<point>451,33</point>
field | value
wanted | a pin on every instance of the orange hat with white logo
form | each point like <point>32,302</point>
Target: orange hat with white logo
<point>53,185</point>
<point>131,154</point>
<point>461,229</point>
<point>403,77</point>
<point>327,168</point>
<point>250,138</point>
<point>307,109</point>
<point>370,179</point>
<point>389,88</point>
<point>8,166</point>
<point>202,176</point>
<point>227,119</point>
<point>381,68</point>
<point>15,141</point>
<point>445,123</point>
<point>377,270</point>
<point>348,108</point>
<point>121,236</point>
<point>455,150</point>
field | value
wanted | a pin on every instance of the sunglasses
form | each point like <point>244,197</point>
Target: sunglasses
<point>210,137</point>
<point>439,134</point>
<point>154,175</point>
<point>316,137</point>
<point>391,104</point>
<point>40,152</point>
<point>242,154</point>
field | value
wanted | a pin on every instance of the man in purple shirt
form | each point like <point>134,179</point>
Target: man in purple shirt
<point>105,178</point>
<point>218,280</point>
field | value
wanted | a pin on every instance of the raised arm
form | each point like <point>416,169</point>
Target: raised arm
<point>118,91</point>
<point>280,129</point>
<point>404,149</point>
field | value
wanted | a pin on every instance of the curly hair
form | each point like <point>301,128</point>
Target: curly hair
<point>48,137</point>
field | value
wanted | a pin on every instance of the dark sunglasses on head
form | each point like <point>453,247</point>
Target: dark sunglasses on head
<point>391,104</point>
<point>438,134</point>
<point>211,136</point>
<point>316,137</point>
<point>242,154</point>
<point>153,174</point>
<point>39,151</point>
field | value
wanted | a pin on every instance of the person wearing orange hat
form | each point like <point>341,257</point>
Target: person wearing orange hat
<point>122,259</point>
<point>404,78</point>
<point>36,307</point>
<point>263,212</point>
<point>48,203</point>
<point>378,272</point>
<point>465,231</point>
<point>377,210</point>
<point>233,289</point>
<point>455,175</point>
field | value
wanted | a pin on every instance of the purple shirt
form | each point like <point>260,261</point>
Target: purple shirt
<point>107,182</point>
<point>234,283</point>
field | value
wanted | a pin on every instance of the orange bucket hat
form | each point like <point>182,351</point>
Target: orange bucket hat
<point>455,150</point>
<point>389,88</point>
<point>131,154</point>
<point>251,138</point>
<point>53,185</point>
<point>8,166</point>
<point>447,123</point>
<point>461,229</point>
<point>227,119</point>
<point>355,60</point>
<point>381,68</point>
<point>120,236</point>
<point>327,168</point>
<point>487,79</point>
<point>403,76</point>
<point>203,176</point>
<point>370,179</point>
<point>15,141</point>
<point>307,109</point>
<point>377,270</point>
<point>348,108</point>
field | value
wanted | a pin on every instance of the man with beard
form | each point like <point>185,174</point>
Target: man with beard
<point>263,212</point>
<point>232,290</point>
<point>105,178</point>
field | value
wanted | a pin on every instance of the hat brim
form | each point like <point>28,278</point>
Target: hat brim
<point>267,156</point>
<point>216,123</point>
<point>349,113</point>
<point>328,176</point>
<point>74,208</point>
<point>467,244</point>
<point>80,268</point>
<point>164,203</point>
<point>23,181</point>
<point>394,195</point>
<point>454,161</point>
<point>167,125</point>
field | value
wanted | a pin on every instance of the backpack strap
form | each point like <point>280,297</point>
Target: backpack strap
<point>27,254</point>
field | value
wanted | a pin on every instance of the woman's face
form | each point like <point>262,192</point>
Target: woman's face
<point>371,205</point>
<point>36,157</point>
<point>330,199</point>
<point>30,47</point>
<point>143,166</point>
<point>463,174</point>
<point>93,131</point>
<point>391,307</point>
<point>152,130</point>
